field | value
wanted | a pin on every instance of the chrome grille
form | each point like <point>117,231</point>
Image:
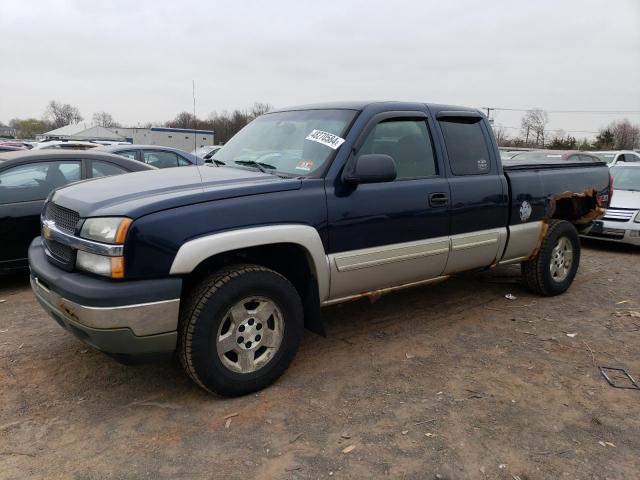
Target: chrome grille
<point>618,214</point>
<point>65,219</point>
<point>60,252</point>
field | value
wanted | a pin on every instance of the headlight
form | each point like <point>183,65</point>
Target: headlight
<point>111,230</point>
<point>637,219</point>
<point>112,267</point>
<point>106,229</point>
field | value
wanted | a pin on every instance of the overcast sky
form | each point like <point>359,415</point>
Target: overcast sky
<point>136,59</point>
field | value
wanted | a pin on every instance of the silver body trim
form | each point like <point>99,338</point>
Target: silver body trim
<point>51,232</point>
<point>346,275</point>
<point>371,257</point>
<point>387,266</point>
<point>193,252</point>
<point>143,319</point>
<point>475,250</point>
<point>523,240</point>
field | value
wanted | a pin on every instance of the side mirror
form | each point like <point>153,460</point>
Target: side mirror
<point>371,168</point>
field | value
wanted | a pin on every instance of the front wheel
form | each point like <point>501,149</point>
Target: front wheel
<point>553,269</point>
<point>240,329</point>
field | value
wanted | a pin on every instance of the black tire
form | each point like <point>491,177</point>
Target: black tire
<point>206,309</point>
<point>536,272</point>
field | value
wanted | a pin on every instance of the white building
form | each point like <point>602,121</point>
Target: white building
<point>183,138</point>
<point>81,131</point>
<point>8,132</point>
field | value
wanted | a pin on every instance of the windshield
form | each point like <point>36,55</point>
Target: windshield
<point>293,143</point>
<point>605,157</point>
<point>626,178</point>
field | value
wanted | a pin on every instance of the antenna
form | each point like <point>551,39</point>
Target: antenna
<point>195,135</point>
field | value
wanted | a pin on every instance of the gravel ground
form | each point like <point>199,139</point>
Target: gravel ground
<point>450,381</point>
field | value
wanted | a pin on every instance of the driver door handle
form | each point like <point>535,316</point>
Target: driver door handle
<point>438,199</point>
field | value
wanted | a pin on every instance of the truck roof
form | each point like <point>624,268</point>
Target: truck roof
<point>361,105</point>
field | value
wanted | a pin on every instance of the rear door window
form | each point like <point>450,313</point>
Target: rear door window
<point>466,146</point>
<point>160,158</point>
<point>105,169</point>
<point>129,154</point>
<point>34,181</point>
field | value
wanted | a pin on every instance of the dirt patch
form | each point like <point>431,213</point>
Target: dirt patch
<point>452,380</point>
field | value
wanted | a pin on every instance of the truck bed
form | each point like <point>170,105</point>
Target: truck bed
<point>556,187</point>
<point>515,164</point>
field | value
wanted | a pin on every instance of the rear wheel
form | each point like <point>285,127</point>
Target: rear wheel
<point>240,329</point>
<point>553,269</point>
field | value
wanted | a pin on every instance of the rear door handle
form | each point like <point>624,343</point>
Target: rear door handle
<point>438,200</point>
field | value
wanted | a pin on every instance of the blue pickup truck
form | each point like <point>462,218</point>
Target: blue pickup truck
<point>225,265</point>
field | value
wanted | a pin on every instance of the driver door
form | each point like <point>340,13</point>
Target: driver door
<point>389,234</point>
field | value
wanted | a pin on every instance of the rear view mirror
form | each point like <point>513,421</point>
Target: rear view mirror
<point>371,168</point>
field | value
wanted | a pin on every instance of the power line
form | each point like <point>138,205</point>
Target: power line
<point>605,112</point>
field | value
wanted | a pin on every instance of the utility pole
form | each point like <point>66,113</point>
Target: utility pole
<point>489,113</point>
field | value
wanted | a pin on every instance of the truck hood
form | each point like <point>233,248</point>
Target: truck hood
<point>140,193</point>
<point>625,199</point>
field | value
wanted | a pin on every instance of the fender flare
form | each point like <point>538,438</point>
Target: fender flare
<point>195,251</point>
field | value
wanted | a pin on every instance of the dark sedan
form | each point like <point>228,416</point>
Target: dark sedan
<point>155,155</point>
<point>27,177</point>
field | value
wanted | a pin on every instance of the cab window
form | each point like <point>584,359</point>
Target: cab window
<point>408,142</point>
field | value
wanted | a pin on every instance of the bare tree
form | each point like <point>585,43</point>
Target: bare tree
<point>104,119</point>
<point>625,135</point>
<point>501,135</point>
<point>60,114</point>
<point>534,124</point>
<point>259,108</point>
<point>183,120</point>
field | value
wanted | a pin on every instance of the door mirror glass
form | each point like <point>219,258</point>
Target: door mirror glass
<point>372,168</point>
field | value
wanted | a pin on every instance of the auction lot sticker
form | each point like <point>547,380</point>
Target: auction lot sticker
<point>325,138</point>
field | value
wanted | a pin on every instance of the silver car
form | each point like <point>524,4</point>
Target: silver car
<point>621,222</point>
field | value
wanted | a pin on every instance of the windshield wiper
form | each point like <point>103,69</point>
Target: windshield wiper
<point>259,165</point>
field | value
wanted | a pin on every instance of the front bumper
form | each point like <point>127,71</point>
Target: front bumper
<point>612,231</point>
<point>125,319</point>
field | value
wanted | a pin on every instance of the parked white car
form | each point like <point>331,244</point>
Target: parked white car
<point>616,156</point>
<point>207,152</point>
<point>66,144</point>
<point>621,223</point>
